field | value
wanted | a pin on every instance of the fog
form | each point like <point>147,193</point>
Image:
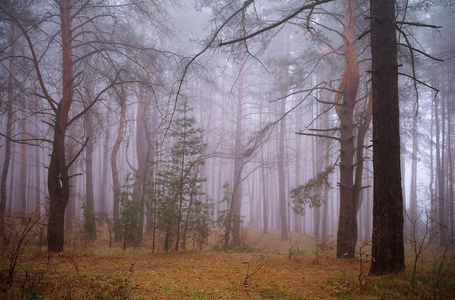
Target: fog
<point>174,128</point>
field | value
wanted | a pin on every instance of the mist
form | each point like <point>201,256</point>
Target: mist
<point>166,122</point>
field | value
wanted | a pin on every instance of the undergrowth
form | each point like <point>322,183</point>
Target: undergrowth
<point>308,269</point>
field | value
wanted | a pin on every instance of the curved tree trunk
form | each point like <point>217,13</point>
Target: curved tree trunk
<point>349,84</point>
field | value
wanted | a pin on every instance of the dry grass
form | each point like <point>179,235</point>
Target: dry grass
<point>266,269</point>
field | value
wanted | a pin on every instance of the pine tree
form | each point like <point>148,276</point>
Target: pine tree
<point>181,206</point>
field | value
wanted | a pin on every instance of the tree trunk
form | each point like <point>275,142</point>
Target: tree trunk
<point>58,179</point>
<point>115,172</point>
<point>387,243</point>
<point>347,222</point>
<point>37,205</point>
<point>23,174</point>
<point>9,128</point>
<point>281,173</point>
<point>450,152</point>
<point>440,168</point>
<point>90,219</point>
<point>142,152</point>
<point>413,214</point>
<point>236,204</point>
<point>105,174</point>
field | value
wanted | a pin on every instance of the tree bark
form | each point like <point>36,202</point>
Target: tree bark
<point>9,128</point>
<point>58,179</point>
<point>90,219</point>
<point>23,173</point>
<point>105,174</point>
<point>348,87</point>
<point>281,172</point>
<point>115,172</point>
<point>387,242</point>
<point>413,214</point>
<point>236,203</point>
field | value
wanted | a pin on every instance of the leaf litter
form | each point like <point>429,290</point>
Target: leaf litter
<point>274,269</point>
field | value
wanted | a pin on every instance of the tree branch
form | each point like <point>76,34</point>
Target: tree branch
<point>77,155</point>
<point>421,82</point>
<point>34,59</point>
<point>318,135</point>
<point>418,24</point>
<point>282,21</point>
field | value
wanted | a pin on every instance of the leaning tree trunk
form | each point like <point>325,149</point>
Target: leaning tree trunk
<point>387,242</point>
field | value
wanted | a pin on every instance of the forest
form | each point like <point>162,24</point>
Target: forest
<point>224,149</point>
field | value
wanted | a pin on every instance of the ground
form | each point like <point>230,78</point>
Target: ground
<point>265,268</point>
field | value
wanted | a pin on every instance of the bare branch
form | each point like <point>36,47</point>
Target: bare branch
<point>35,58</point>
<point>318,135</point>
<point>418,24</point>
<point>421,52</point>
<point>26,141</point>
<point>282,21</point>
<point>421,82</point>
<point>77,155</point>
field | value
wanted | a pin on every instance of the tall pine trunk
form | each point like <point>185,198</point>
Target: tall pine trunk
<point>114,166</point>
<point>7,149</point>
<point>387,243</point>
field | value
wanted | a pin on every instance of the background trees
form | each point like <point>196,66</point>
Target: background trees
<point>108,95</point>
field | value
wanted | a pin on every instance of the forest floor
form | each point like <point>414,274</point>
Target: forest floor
<point>265,268</point>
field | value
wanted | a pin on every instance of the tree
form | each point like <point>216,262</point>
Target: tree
<point>82,25</point>
<point>6,162</point>
<point>179,208</point>
<point>354,119</point>
<point>114,166</point>
<point>129,221</point>
<point>387,241</point>
<point>187,158</point>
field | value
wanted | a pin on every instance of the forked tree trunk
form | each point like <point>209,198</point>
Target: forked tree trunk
<point>346,99</point>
